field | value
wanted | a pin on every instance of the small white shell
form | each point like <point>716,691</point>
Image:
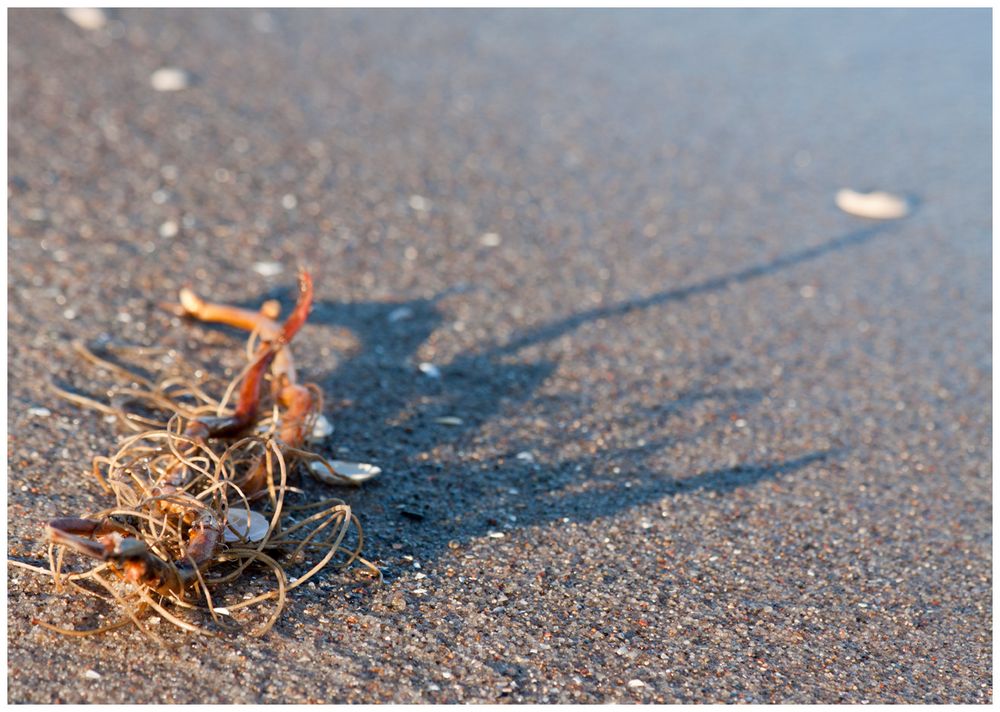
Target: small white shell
<point>169,79</point>
<point>252,526</point>
<point>419,203</point>
<point>268,269</point>
<point>168,229</point>
<point>356,472</point>
<point>322,429</point>
<point>87,18</point>
<point>399,314</point>
<point>429,369</point>
<point>449,420</point>
<point>877,205</point>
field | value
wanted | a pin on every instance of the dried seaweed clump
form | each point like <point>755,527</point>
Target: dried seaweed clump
<point>207,525</point>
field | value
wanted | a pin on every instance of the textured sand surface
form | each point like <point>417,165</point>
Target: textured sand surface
<point>705,437</point>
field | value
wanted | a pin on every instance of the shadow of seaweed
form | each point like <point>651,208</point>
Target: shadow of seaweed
<point>654,486</point>
<point>549,332</point>
<point>392,409</point>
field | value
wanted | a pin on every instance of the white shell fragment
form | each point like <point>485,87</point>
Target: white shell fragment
<point>399,314</point>
<point>877,205</point>
<point>429,369</point>
<point>419,203</point>
<point>449,420</point>
<point>322,429</point>
<point>251,529</point>
<point>87,18</point>
<point>356,472</point>
<point>169,79</point>
<point>268,269</point>
<point>168,229</point>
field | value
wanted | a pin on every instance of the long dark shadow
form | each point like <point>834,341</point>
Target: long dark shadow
<point>607,501</point>
<point>548,332</point>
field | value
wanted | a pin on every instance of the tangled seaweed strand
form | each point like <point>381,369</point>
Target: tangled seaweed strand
<point>300,534</point>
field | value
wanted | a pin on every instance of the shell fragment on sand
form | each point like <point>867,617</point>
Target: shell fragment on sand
<point>268,269</point>
<point>322,428</point>
<point>251,526</point>
<point>87,18</point>
<point>354,472</point>
<point>168,229</point>
<point>169,79</point>
<point>399,314</point>
<point>877,205</point>
<point>430,370</point>
<point>449,420</point>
